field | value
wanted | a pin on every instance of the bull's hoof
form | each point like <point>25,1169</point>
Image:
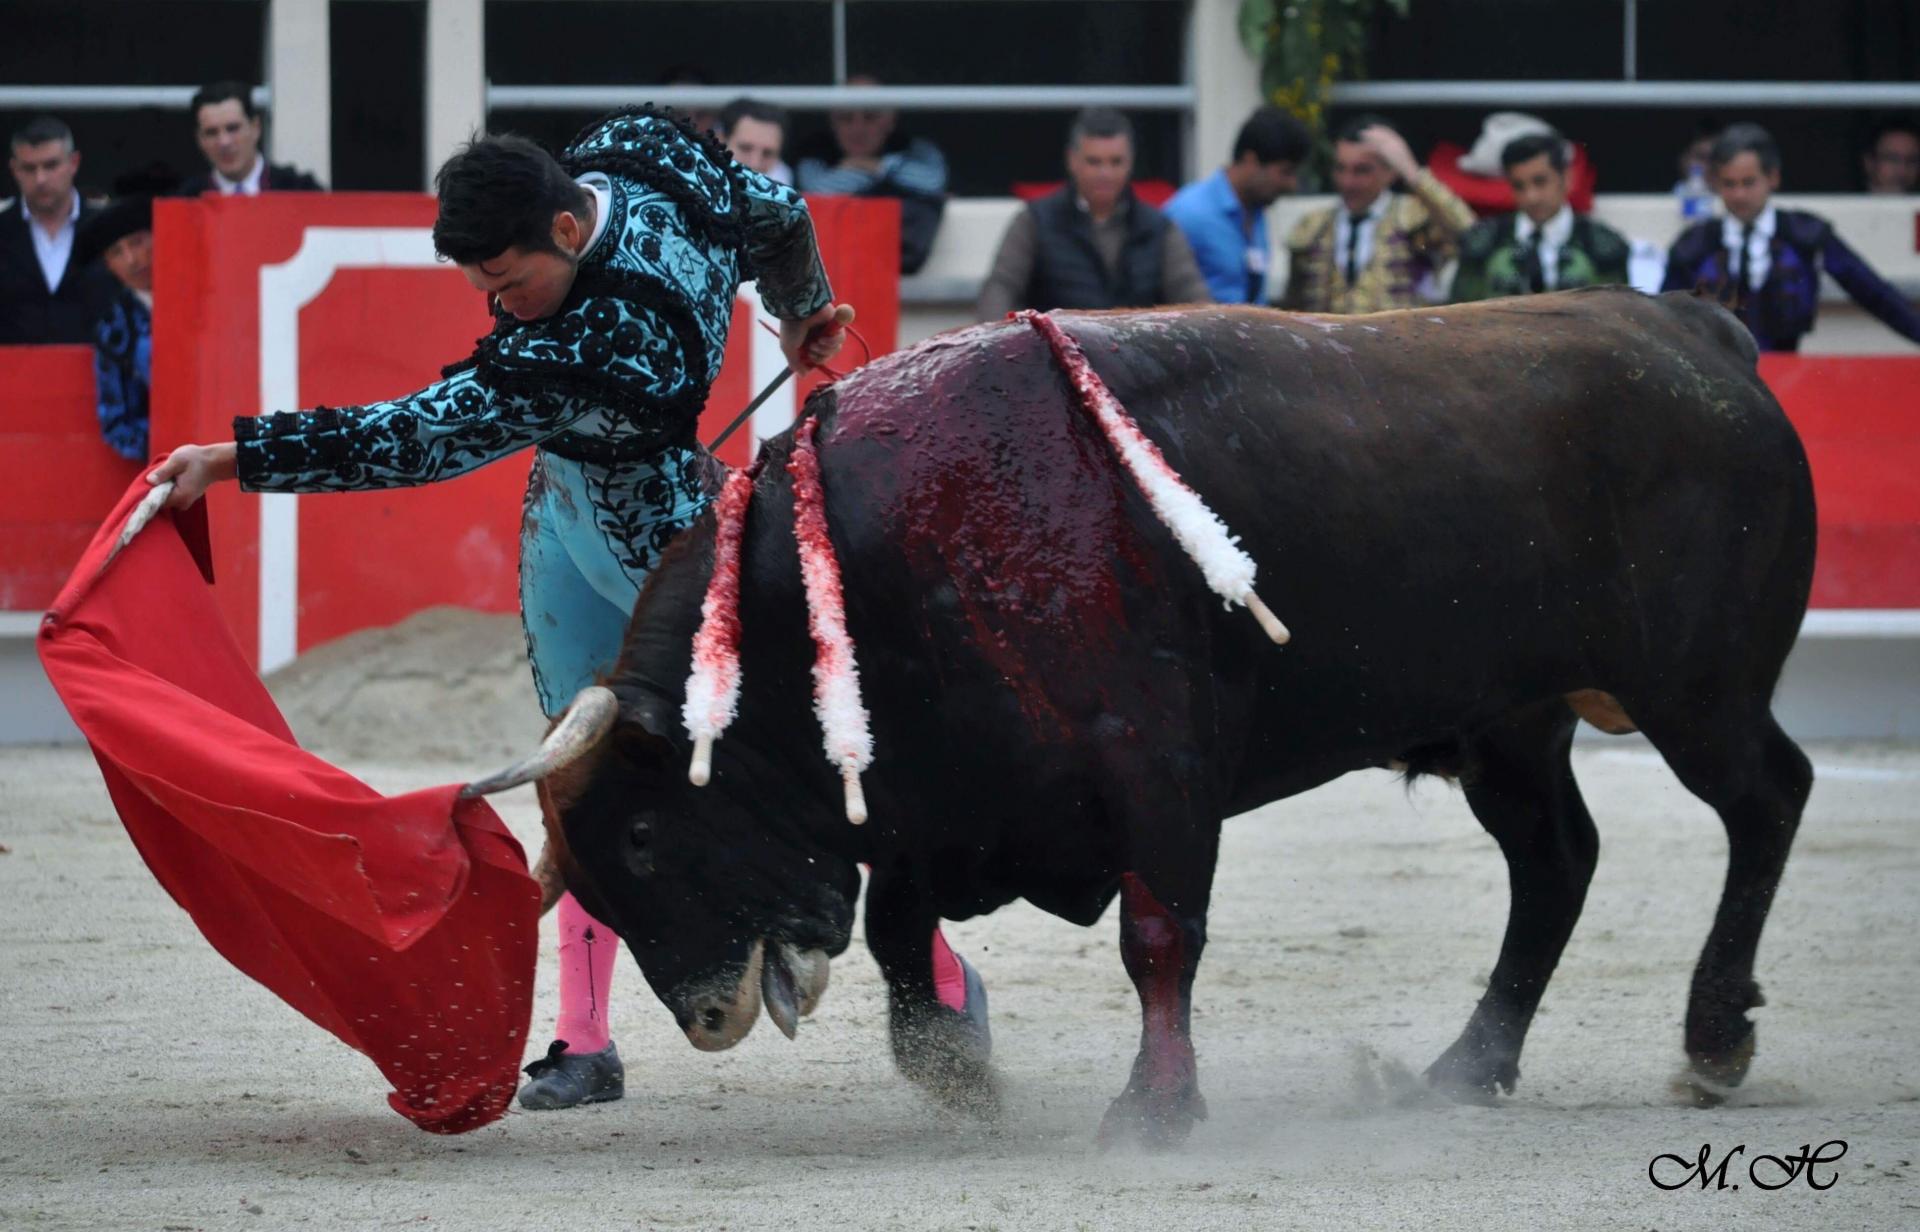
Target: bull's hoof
<point>945,1054</point>
<point>1156,1120</point>
<point>1711,1077</point>
<point>1475,1069</point>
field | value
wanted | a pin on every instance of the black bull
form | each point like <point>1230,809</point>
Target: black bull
<point>1478,522</point>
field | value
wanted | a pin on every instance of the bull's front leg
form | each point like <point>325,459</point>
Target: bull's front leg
<point>1160,945</point>
<point>942,1050</point>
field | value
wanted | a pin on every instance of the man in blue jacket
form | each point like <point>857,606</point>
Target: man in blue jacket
<point>1224,216</point>
<point>613,272</point>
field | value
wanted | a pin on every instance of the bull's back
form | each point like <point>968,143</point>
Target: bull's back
<point>1443,503</point>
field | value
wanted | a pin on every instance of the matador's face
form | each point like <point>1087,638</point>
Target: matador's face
<point>531,285</point>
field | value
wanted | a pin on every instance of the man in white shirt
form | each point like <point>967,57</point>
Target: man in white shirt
<point>1544,245</point>
<point>227,128</point>
<point>46,296</point>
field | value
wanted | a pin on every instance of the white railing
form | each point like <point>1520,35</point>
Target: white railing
<point>821,98</point>
<point>108,98</point>
<point>1717,94</point>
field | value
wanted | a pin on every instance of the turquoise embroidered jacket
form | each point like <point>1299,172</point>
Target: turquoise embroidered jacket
<point>620,373</point>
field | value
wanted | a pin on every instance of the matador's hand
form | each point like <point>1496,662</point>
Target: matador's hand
<point>812,341</point>
<point>1391,148</point>
<point>194,469</point>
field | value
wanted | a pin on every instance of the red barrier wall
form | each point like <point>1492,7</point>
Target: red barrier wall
<point>1859,417</point>
<point>60,477</point>
<point>373,558</point>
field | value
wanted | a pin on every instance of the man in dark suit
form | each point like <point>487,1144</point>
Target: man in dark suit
<point>227,127</point>
<point>1764,262</point>
<point>46,296</point>
<point>1543,245</point>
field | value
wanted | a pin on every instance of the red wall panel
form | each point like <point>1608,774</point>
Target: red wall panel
<point>1859,417</point>
<point>60,477</point>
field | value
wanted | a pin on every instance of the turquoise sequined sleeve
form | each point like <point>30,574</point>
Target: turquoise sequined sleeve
<point>790,278</point>
<point>449,428</point>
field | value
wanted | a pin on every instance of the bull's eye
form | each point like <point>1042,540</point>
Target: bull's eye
<point>640,848</point>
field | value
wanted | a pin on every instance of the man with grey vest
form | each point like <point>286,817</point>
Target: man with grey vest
<point>1093,244</point>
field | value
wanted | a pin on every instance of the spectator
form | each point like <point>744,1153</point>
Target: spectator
<point>122,234</point>
<point>228,130</point>
<point>46,296</point>
<point>872,160</point>
<point>756,133</point>
<point>1092,244</point>
<point>1377,249</point>
<point>1764,262</point>
<point>1699,148</point>
<point>1544,245</point>
<point>1892,157</point>
<point>1224,216</point>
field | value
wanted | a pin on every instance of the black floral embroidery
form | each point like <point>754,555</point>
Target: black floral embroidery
<point>601,316</point>
<point>627,340</point>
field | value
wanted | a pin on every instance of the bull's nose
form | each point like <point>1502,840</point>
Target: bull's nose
<point>713,1027</point>
<point>717,1019</point>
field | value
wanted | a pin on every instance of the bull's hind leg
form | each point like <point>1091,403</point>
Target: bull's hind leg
<point>943,1051</point>
<point>1520,783</point>
<point>1758,780</point>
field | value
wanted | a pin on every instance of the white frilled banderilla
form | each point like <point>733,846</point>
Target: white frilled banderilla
<point>713,688</point>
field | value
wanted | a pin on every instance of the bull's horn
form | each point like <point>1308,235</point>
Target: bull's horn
<point>578,730</point>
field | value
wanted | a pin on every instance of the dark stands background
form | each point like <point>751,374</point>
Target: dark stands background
<point>378,47</point>
<point>996,42</point>
<point>1637,149</point>
<point>378,93</point>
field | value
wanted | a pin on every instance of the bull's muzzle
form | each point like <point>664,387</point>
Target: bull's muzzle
<point>787,982</point>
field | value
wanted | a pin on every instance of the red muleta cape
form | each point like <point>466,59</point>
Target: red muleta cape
<point>407,927</point>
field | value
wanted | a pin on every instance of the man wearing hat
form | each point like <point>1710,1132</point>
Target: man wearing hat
<point>122,236</point>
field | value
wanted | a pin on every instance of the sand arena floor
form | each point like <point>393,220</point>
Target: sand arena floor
<point>154,1087</point>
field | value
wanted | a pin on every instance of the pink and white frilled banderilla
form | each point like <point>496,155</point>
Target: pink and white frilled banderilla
<point>836,677</point>
<point>1198,529</point>
<point>713,687</point>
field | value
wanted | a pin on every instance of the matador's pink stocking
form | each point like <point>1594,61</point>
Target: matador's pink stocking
<point>587,951</point>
